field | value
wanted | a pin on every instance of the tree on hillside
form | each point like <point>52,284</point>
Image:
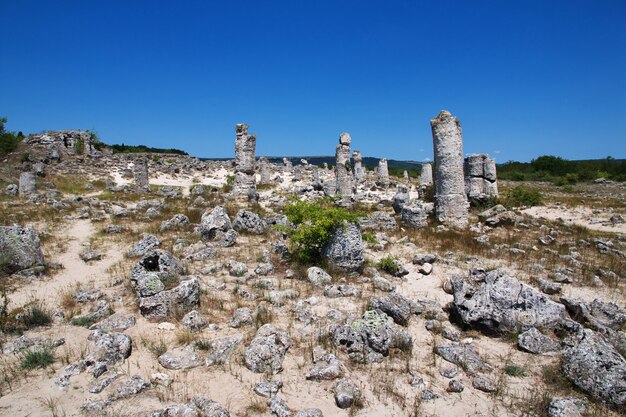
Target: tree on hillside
<point>9,141</point>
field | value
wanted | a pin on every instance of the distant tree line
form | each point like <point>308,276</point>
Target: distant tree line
<point>562,171</point>
<point>143,149</point>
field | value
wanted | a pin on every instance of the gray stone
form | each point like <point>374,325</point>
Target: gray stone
<point>221,349</point>
<point>248,222</point>
<point>111,348</point>
<point>463,355</point>
<point>382,173</point>
<point>451,206</point>
<point>279,407</point>
<point>344,249</point>
<point>181,358</point>
<point>182,298</point>
<point>396,306</point>
<point>28,185</point>
<point>177,222</point>
<point>342,290</point>
<point>330,369</point>
<point>209,408</point>
<point>268,389</point>
<point>495,302</point>
<point>484,383</point>
<point>596,367</point>
<point>378,220</point>
<point>103,381</point>
<point>455,386</point>
<point>241,317</point>
<point>567,407</point>
<point>415,217</point>
<point>267,350</point>
<point>346,393</point>
<point>401,199</point>
<point>343,168</point>
<point>117,322</point>
<point>533,341</point>
<point>310,412</point>
<point>90,256</point>
<point>142,182</point>
<point>19,248</point>
<point>133,386</point>
<point>194,321</point>
<point>214,221</point>
<point>426,176</point>
<point>245,154</point>
<point>146,244</point>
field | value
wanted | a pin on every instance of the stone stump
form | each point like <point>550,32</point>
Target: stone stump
<point>142,183</point>
<point>383,173</point>
<point>27,185</point>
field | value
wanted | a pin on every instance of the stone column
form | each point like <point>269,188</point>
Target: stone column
<point>343,169</point>
<point>27,185</point>
<point>383,173</point>
<point>288,165</point>
<point>88,148</point>
<point>426,176</point>
<point>245,154</point>
<point>451,206</point>
<point>142,183</point>
<point>480,177</point>
<point>359,173</point>
<point>265,171</point>
<point>405,175</point>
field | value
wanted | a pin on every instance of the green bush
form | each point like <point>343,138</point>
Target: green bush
<point>388,264</point>
<point>37,359</point>
<point>35,316</point>
<point>25,157</point>
<point>9,141</point>
<point>82,321</point>
<point>522,195</point>
<point>514,370</point>
<point>370,237</point>
<point>314,224</point>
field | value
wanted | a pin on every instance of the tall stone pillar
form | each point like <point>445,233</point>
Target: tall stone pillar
<point>480,177</point>
<point>265,171</point>
<point>451,205</point>
<point>245,153</point>
<point>359,172</point>
<point>288,165</point>
<point>140,169</point>
<point>383,173</point>
<point>343,169</point>
<point>27,184</point>
<point>426,176</point>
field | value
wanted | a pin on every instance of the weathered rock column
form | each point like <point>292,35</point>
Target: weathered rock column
<point>480,177</point>
<point>451,206</point>
<point>383,173</point>
<point>426,176</point>
<point>142,183</point>
<point>343,169</point>
<point>245,153</point>
<point>88,148</point>
<point>265,171</point>
<point>288,165</point>
<point>359,173</point>
<point>27,185</point>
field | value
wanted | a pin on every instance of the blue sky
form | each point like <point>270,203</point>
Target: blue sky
<point>525,78</point>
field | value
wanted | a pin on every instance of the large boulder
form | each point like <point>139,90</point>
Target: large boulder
<point>19,249</point>
<point>154,272</point>
<point>369,338</point>
<point>267,350</point>
<point>396,306</point>
<point>344,250</point>
<point>415,217</point>
<point>595,366</point>
<point>180,299</point>
<point>495,302</point>
<point>213,222</point>
<point>378,220</point>
<point>248,222</point>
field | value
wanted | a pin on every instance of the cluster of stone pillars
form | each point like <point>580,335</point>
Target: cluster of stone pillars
<point>480,177</point>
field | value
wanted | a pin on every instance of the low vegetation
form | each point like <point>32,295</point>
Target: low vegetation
<point>561,171</point>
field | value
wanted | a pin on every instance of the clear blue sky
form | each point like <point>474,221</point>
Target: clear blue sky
<point>525,78</point>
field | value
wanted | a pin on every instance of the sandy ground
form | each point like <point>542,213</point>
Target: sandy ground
<point>581,216</point>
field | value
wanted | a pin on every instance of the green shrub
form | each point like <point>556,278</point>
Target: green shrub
<point>522,195</point>
<point>25,157</point>
<point>37,359</point>
<point>9,141</point>
<point>79,146</point>
<point>202,344</point>
<point>314,224</point>
<point>228,187</point>
<point>514,370</point>
<point>369,237</point>
<point>35,316</point>
<point>82,321</point>
<point>388,264</point>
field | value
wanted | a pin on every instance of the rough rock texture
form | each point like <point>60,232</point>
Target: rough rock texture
<point>318,277</point>
<point>426,176</point>
<point>142,183</point>
<point>480,178</point>
<point>596,367</point>
<point>265,171</point>
<point>344,250</point>
<point>533,341</point>
<point>180,358</point>
<point>414,216</point>
<point>267,350</point>
<point>182,298</point>
<point>378,220</point>
<point>396,306</point>
<point>567,407</point>
<point>495,302</point>
<point>359,171</point>
<point>19,248</point>
<point>249,222</point>
<point>343,168</point>
<point>451,206</point>
<point>382,173</point>
<point>346,393</point>
<point>369,338</point>
<point>213,222</point>
<point>177,222</point>
<point>146,244</point>
<point>245,154</point>
<point>463,355</point>
<point>27,184</point>
<point>221,349</point>
<point>401,199</point>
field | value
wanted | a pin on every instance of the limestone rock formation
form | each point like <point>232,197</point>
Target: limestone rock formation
<point>359,170</point>
<point>345,249</point>
<point>245,154</point>
<point>480,178</point>
<point>343,168</point>
<point>19,248</point>
<point>267,350</point>
<point>142,182</point>
<point>451,206</point>
<point>27,185</point>
<point>383,173</point>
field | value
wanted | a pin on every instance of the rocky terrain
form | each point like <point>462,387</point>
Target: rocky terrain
<point>162,285</point>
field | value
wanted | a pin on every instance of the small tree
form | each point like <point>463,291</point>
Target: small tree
<point>9,141</point>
